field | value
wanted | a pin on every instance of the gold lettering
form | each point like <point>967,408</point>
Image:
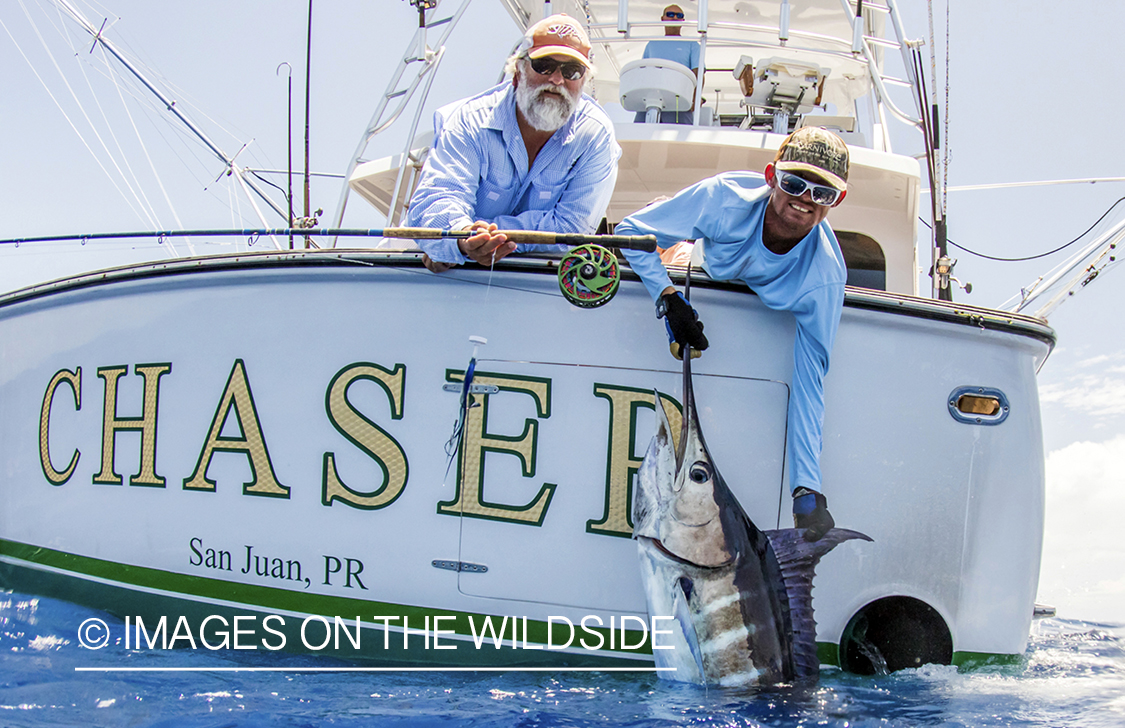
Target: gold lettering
<point>623,460</point>
<point>251,442</point>
<point>469,498</point>
<point>367,436</point>
<point>74,379</point>
<point>146,424</point>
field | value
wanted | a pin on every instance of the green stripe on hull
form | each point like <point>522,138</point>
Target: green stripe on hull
<point>192,596</point>
<point>828,653</point>
<point>976,660</point>
<point>189,596</point>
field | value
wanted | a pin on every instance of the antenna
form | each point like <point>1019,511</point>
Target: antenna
<point>307,222</point>
<point>289,148</point>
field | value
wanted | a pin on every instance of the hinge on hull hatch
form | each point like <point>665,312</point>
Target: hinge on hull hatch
<point>459,566</point>
<point>473,388</point>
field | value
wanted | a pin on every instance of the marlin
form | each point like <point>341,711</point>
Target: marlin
<point>741,598</point>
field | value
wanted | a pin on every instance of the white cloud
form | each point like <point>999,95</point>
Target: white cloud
<point>1096,395</point>
<point>1083,572</point>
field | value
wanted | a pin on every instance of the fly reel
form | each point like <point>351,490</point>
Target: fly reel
<point>588,276</point>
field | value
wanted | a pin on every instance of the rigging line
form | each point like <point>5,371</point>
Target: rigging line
<point>228,163</point>
<point>160,123</point>
<point>235,132</point>
<point>1038,183</point>
<point>232,203</point>
<point>186,99</point>
<point>66,116</point>
<point>1080,279</point>
<point>1039,255</point>
<point>139,192</point>
<point>148,157</point>
<point>135,186</point>
<point>271,184</point>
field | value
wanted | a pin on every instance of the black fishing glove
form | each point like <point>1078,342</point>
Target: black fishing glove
<point>682,323</point>
<point>810,512</point>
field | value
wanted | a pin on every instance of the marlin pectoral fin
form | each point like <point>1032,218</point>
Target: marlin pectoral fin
<point>685,622</point>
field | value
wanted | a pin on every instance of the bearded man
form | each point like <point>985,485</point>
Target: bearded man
<point>532,154</point>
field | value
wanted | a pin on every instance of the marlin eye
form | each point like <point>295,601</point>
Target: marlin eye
<point>700,472</point>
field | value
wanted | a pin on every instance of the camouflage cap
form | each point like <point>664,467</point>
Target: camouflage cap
<point>816,150</point>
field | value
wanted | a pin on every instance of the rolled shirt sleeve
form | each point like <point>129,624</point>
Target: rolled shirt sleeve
<point>692,214</point>
<point>445,195</point>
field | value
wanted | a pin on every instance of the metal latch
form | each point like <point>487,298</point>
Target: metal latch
<point>459,566</point>
<point>473,388</point>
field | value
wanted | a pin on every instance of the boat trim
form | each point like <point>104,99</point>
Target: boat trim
<point>57,575</point>
<point>217,593</point>
<point>859,298</point>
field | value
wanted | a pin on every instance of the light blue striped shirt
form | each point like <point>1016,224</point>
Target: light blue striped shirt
<point>477,170</point>
<point>726,214</point>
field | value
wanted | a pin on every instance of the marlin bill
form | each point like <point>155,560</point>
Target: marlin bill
<point>741,597</point>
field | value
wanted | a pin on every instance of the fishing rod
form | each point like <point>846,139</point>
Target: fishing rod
<point>588,275</point>
<point>532,237</point>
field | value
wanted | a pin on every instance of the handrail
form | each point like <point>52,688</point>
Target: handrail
<point>879,79</point>
<point>416,52</point>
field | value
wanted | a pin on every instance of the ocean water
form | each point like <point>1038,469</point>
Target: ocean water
<point>1073,674</point>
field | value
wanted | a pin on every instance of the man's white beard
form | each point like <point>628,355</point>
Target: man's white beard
<point>544,109</point>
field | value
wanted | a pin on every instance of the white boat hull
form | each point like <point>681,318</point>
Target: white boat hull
<point>294,458</point>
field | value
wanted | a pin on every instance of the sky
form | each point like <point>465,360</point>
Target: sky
<point>1033,96</point>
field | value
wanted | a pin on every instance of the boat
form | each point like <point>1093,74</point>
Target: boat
<point>186,449</point>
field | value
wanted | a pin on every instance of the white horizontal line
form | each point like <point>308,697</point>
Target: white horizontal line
<point>1040,183</point>
<point>374,669</point>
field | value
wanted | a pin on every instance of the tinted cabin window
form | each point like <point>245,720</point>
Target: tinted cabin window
<point>867,266</point>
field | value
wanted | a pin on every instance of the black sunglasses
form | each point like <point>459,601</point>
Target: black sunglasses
<point>571,71</point>
<point>674,16</point>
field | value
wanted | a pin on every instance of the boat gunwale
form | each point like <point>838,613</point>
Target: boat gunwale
<point>859,298</point>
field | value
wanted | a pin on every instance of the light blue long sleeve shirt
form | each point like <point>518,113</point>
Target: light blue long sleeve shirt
<point>725,214</point>
<point>477,170</point>
<point>684,52</point>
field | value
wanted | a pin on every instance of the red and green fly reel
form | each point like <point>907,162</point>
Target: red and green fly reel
<point>589,276</point>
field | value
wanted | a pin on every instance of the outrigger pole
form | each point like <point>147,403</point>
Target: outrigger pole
<point>171,106</point>
<point>532,237</point>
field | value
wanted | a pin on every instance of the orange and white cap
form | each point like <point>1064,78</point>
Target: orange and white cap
<point>557,35</point>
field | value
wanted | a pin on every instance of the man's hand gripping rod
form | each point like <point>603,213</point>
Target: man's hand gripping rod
<point>532,237</point>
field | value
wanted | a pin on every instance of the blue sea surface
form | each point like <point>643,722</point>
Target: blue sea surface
<point>1073,674</point>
